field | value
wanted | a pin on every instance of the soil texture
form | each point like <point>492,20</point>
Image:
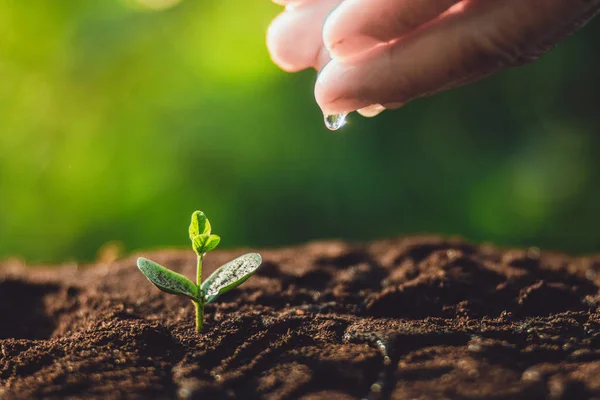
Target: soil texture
<point>408,318</point>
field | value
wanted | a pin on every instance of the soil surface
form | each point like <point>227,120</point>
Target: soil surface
<point>409,318</point>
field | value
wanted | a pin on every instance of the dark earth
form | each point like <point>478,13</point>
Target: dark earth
<point>409,318</point>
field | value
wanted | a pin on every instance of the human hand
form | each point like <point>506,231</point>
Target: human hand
<point>378,54</point>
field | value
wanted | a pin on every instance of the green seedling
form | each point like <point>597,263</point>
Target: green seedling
<point>225,278</point>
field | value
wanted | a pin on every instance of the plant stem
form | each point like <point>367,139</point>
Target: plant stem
<point>199,305</point>
<point>199,271</point>
<point>199,315</point>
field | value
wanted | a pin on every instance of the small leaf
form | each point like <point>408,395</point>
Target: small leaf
<point>212,242</point>
<point>205,243</point>
<point>230,275</point>
<point>199,225</point>
<point>199,242</point>
<point>167,280</point>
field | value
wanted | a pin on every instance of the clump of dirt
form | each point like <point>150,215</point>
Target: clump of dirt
<point>419,317</point>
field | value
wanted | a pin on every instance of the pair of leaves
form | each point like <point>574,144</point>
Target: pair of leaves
<point>225,278</point>
<point>204,243</point>
<point>202,239</point>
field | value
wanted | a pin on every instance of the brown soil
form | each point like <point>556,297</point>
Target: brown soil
<point>419,317</point>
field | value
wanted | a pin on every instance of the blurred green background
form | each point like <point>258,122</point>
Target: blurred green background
<point>116,122</point>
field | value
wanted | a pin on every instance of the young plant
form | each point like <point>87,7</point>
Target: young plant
<point>225,278</point>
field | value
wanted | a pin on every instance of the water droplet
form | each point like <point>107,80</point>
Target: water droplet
<point>333,122</point>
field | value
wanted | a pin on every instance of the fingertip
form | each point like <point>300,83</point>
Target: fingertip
<point>344,86</point>
<point>323,93</point>
<point>276,46</point>
<point>334,91</point>
<point>294,38</point>
<point>341,36</point>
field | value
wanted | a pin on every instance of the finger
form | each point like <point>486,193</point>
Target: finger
<point>295,37</point>
<point>458,47</point>
<point>371,111</point>
<point>354,27</point>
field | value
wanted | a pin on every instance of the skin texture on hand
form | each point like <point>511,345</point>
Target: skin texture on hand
<point>377,54</point>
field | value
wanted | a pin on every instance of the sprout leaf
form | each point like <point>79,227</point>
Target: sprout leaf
<point>205,243</point>
<point>167,280</point>
<point>212,242</point>
<point>199,225</point>
<point>230,275</point>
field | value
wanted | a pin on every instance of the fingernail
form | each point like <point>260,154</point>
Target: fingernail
<point>372,110</point>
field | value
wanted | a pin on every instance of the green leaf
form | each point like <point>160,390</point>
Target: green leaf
<point>230,275</point>
<point>167,280</point>
<point>205,243</point>
<point>199,225</point>
<point>198,243</point>
<point>212,242</point>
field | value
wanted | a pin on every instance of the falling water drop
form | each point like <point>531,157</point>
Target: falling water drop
<point>333,122</point>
